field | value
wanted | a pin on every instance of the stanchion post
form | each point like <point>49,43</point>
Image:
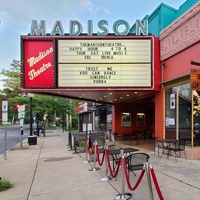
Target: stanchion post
<point>86,148</point>
<point>106,178</point>
<point>95,156</point>
<point>87,140</point>
<point>123,178</point>
<point>94,164</point>
<point>149,180</point>
<point>123,195</point>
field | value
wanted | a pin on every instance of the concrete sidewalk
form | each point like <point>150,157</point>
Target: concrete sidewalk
<point>50,170</point>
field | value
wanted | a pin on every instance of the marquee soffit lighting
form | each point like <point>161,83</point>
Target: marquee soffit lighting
<point>110,97</point>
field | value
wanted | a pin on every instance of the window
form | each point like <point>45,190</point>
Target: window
<point>178,105</point>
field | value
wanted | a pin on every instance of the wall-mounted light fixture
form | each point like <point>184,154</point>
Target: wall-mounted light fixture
<point>162,64</point>
<point>195,63</point>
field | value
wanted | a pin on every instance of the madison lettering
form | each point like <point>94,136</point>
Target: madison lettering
<point>34,73</point>
<point>34,60</point>
<point>120,27</point>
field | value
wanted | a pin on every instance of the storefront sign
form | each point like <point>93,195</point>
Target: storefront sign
<point>172,101</point>
<point>120,27</point>
<point>4,111</point>
<point>105,63</point>
<point>82,108</point>
<point>38,63</point>
<point>195,79</point>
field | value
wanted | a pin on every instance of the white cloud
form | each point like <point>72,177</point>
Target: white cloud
<point>107,11</point>
<point>88,5</point>
<point>16,17</point>
<point>23,10</point>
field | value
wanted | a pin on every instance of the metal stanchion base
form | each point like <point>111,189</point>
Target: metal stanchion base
<point>85,161</point>
<point>94,169</point>
<point>106,179</point>
<point>123,196</point>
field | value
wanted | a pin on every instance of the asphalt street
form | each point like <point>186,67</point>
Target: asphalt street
<point>12,136</point>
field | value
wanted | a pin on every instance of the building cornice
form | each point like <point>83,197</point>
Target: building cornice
<point>181,34</point>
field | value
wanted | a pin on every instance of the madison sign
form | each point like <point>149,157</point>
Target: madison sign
<point>76,28</point>
<point>77,60</point>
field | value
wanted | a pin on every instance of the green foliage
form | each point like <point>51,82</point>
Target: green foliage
<point>81,144</point>
<point>4,185</point>
<point>91,150</point>
<point>44,105</point>
<point>100,143</point>
<point>41,105</point>
<point>12,79</point>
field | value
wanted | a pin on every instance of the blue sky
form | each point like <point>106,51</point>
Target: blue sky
<point>16,17</point>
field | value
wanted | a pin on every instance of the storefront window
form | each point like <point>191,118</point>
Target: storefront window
<point>109,118</point>
<point>196,116</point>
<point>185,100</point>
<point>178,104</point>
<point>85,122</point>
<point>103,118</point>
<point>170,105</point>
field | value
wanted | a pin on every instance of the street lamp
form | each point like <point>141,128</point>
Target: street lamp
<point>55,113</point>
<point>44,124</point>
<point>31,112</point>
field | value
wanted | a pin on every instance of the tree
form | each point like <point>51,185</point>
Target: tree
<point>44,105</point>
<point>41,104</point>
<point>12,80</point>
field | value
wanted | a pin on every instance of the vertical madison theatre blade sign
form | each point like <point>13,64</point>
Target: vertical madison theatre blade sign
<point>77,59</point>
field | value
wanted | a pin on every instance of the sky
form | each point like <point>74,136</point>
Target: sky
<point>16,17</point>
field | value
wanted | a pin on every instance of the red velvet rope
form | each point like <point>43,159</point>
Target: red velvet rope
<point>97,154</point>
<point>113,175</point>
<point>127,176</point>
<point>123,160</point>
<point>156,184</point>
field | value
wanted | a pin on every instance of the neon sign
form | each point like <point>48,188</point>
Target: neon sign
<point>76,28</point>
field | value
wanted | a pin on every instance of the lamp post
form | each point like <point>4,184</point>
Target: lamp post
<point>55,113</point>
<point>44,124</point>
<point>31,112</point>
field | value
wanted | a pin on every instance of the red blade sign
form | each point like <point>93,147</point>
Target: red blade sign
<point>195,79</point>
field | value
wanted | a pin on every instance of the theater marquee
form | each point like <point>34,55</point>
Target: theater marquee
<point>104,63</point>
<point>87,61</point>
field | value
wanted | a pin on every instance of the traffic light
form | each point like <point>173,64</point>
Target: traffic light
<point>17,107</point>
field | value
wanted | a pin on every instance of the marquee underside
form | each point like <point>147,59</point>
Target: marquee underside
<point>108,97</point>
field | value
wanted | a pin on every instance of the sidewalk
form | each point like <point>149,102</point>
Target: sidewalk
<point>50,170</point>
